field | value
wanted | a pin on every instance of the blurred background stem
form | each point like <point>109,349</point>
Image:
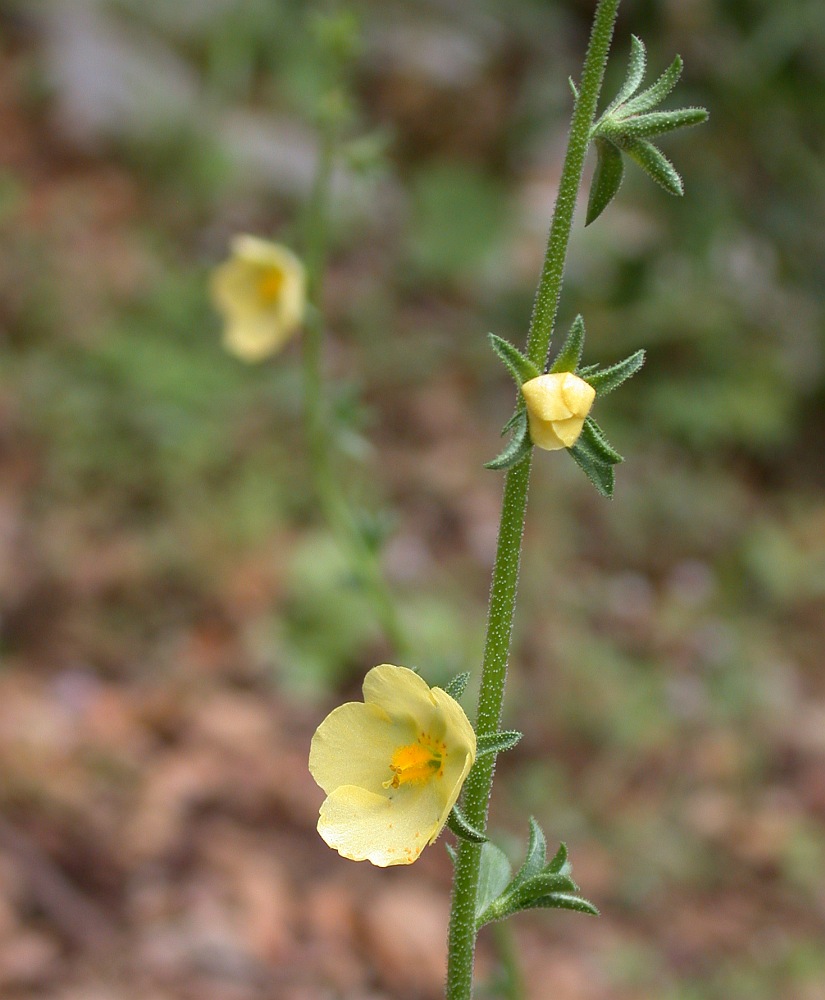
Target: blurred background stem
<point>331,495</point>
<point>462,934</point>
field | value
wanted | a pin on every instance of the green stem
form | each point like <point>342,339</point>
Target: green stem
<point>336,510</point>
<point>462,934</point>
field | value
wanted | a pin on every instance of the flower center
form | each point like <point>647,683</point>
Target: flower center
<point>270,284</point>
<point>417,762</point>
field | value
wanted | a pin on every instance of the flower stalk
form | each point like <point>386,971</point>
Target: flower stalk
<point>462,933</point>
<point>334,504</point>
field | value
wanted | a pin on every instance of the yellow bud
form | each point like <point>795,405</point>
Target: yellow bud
<point>557,405</point>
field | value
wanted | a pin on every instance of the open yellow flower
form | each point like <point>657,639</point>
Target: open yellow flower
<point>557,405</point>
<point>261,294</point>
<point>392,767</point>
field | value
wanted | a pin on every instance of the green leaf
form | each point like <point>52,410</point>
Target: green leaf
<point>536,855</point>
<point>518,414</point>
<point>600,474</point>
<point>521,368</point>
<point>565,901</point>
<point>567,360</point>
<point>455,688</point>
<point>635,74</point>
<point>574,89</point>
<point>657,92</point>
<point>452,852</point>
<point>559,862</point>
<point>517,449</point>
<point>655,164</point>
<point>494,874</point>
<point>611,378</point>
<point>497,742</point>
<point>543,884</point>
<point>457,823</point>
<point>655,123</point>
<point>593,440</point>
<point>607,179</point>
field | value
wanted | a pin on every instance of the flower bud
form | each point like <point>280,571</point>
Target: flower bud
<point>557,405</point>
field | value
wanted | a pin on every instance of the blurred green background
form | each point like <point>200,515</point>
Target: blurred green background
<point>176,618</point>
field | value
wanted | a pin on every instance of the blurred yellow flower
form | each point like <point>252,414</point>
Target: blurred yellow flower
<point>392,767</point>
<point>261,294</point>
<point>557,405</point>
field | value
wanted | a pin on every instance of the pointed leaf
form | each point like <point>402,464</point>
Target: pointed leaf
<point>655,94</point>
<point>540,885</point>
<point>458,824</point>
<point>608,379</point>
<point>573,88</point>
<point>521,368</point>
<point>520,413</point>
<point>654,123</point>
<point>497,742</point>
<point>568,358</point>
<point>453,853</point>
<point>635,74</point>
<point>607,179</point>
<point>600,474</point>
<point>494,874</point>
<point>455,688</point>
<point>593,440</point>
<point>536,856</point>
<point>517,449</point>
<point>559,862</point>
<point>655,164</point>
<point>565,901</point>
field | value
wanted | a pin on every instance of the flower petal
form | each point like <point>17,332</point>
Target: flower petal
<point>568,431</point>
<point>383,829</point>
<point>544,397</point>
<point>578,395</point>
<point>401,693</point>
<point>354,746</point>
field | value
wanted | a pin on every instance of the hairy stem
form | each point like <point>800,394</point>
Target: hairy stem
<point>462,935</point>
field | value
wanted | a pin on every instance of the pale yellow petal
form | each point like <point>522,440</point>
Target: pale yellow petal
<point>544,397</point>
<point>354,746</point>
<point>543,434</point>
<point>578,395</point>
<point>401,693</point>
<point>254,337</point>
<point>568,431</point>
<point>383,829</point>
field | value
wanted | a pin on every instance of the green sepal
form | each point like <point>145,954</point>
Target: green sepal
<point>497,742</point>
<point>605,380</point>
<point>518,446</point>
<point>599,473</point>
<point>636,66</point>
<point>518,413</point>
<point>568,358</point>
<point>455,688</point>
<point>593,440</point>
<point>457,823</point>
<point>607,178</point>
<point>654,123</point>
<point>520,367</point>
<point>655,164</point>
<point>656,92</point>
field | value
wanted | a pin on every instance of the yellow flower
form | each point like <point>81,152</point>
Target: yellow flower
<point>557,405</point>
<point>392,767</point>
<point>261,294</point>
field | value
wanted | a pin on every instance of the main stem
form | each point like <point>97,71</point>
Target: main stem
<point>462,934</point>
<point>365,562</point>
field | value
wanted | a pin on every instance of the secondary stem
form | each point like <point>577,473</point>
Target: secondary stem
<point>333,503</point>
<point>462,934</point>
